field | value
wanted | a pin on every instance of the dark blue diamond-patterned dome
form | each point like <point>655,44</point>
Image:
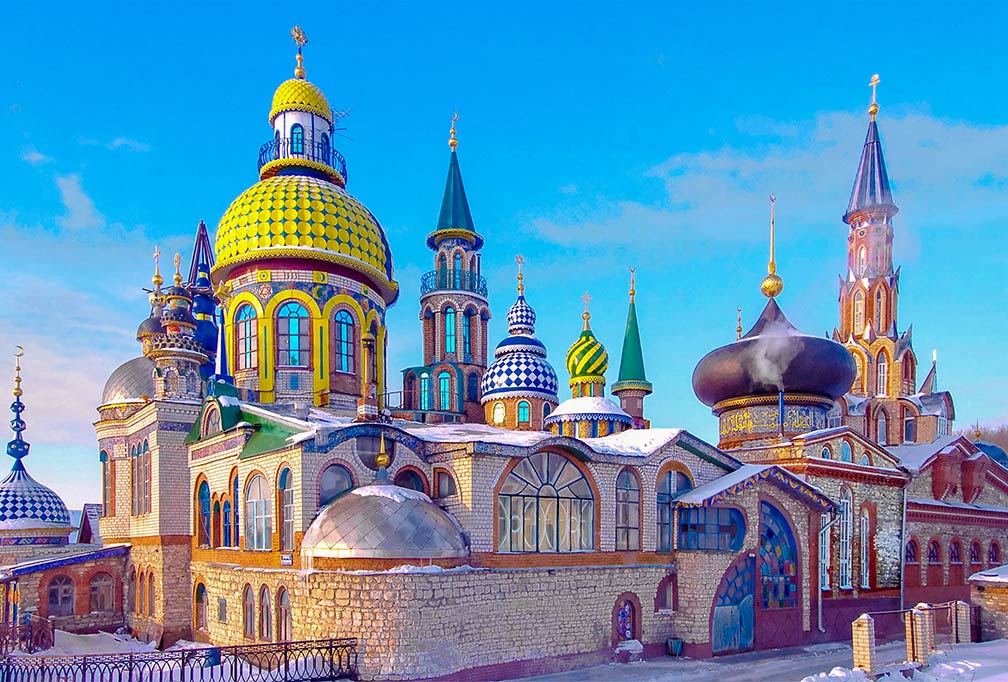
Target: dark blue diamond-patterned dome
<point>521,317</point>
<point>26,504</point>
<point>520,369</point>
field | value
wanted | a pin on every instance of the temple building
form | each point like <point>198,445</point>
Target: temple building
<point>262,482</point>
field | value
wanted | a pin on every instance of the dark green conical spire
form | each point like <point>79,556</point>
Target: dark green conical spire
<point>631,370</point>
<point>455,213</point>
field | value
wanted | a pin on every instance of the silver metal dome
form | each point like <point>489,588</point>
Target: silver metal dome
<point>384,521</point>
<point>130,382</point>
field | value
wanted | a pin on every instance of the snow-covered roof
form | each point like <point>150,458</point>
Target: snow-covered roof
<point>589,407</point>
<point>992,575</point>
<point>748,474</point>
<point>950,504</point>
<point>633,442</point>
<point>63,559</point>
<point>454,433</point>
<point>915,456</point>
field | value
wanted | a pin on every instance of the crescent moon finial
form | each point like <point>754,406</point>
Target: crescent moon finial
<point>20,352</point>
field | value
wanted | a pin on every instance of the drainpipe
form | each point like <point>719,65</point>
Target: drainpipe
<point>822,533</point>
<point>902,549</point>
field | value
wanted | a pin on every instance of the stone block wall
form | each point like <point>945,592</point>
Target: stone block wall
<point>33,594</point>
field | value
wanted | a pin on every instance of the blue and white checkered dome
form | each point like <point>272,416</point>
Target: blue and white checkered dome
<point>520,369</point>
<point>521,318</point>
<point>26,504</point>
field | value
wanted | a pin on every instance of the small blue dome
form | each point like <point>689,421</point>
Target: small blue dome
<point>521,317</point>
<point>520,368</point>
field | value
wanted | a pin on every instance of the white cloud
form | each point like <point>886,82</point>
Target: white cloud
<point>81,213</point>
<point>34,156</point>
<point>129,144</point>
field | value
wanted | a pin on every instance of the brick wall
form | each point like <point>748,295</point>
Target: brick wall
<point>33,592</point>
<point>992,601</point>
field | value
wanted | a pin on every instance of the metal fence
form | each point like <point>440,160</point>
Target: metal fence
<point>324,660</point>
<point>35,635</point>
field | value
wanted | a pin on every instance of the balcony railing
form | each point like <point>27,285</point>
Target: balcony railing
<point>287,148</point>
<point>457,280</point>
<point>323,660</point>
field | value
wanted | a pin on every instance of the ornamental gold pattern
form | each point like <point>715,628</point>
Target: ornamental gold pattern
<point>308,215</point>
<point>297,94</point>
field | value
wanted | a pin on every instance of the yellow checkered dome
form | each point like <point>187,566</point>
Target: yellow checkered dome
<point>303,217</point>
<point>297,94</point>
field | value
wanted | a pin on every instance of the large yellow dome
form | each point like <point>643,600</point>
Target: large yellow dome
<point>297,94</point>
<point>299,216</point>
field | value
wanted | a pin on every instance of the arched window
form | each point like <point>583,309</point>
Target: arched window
<point>994,554</point>
<point>845,521</point>
<point>107,484</point>
<point>882,428</point>
<point>671,485</point>
<point>326,156</point>
<point>297,139</point>
<point>862,259</point>
<point>975,553</point>
<point>276,144</point>
<point>625,620</point>
<point>934,552</point>
<point>778,559</point>
<point>457,273</point>
<point>285,617</point>
<point>246,338</point>
<point>547,408</point>
<point>407,478</point>
<point>865,459</point>
<point>211,421</point>
<point>865,540</point>
<point>667,598</point>
<point>858,312</point>
<point>444,391</point>
<point>203,521</point>
<point>150,594</point>
<point>286,511</point>
<point>825,540</point>
<point>61,596</point>
<point>499,413</point>
<point>879,317</point>
<point>101,597</point>
<point>524,412</point>
<point>293,338</point>
<point>911,554</point>
<point>335,480</point>
<point>627,511</point>
<point>467,337</point>
<point>146,498</point>
<point>344,342</point>
<point>909,425</point>
<point>141,602</point>
<point>248,612</point>
<point>201,606</point>
<point>472,387</point>
<point>373,354</point>
<point>955,552</point>
<point>258,515</point>
<point>237,504</point>
<point>833,416</point>
<point>215,529</point>
<point>425,397</point>
<point>882,375</point>
<point>445,484</point>
<point>265,615</point>
<point>943,421</point>
<point>226,514</point>
<point>846,455</point>
<point>449,329</point>
<point>825,453</point>
<point>545,505</point>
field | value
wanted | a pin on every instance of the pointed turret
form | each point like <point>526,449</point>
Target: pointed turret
<point>204,305</point>
<point>871,195</point>
<point>455,220</point>
<point>632,385</point>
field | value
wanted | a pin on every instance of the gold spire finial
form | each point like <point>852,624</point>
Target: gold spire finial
<point>586,315</point>
<point>452,142</point>
<point>178,273</point>
<point>521,278</point>
<point>300,40</point>
<point>633,290</point>
<point>772,284</point>
<point>157,279</point>
<point>738,328</point>
<point>873,107</point>
<point>977,434</point>
<point>382,459</point>
<point>18,354</point>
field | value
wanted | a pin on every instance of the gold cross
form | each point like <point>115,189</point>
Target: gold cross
<point>633,290</point>
<point>157,257</point>
<point>521,278</point>
<point>587,299</point>
<point>299,37</point>
<point>874,84</point>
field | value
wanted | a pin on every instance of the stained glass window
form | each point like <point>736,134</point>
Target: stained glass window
<point>625,620</point>
<point>671,485</point>
<point>627,511</point>
<point>737,583</point>
<point>778,559</point>
<point>711,528</point>
<point>545,505</point>
<point>293,339</point>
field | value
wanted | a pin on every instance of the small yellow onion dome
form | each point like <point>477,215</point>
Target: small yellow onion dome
<point>297,94</point>
<point>587,358</point>
<point>300,216</point>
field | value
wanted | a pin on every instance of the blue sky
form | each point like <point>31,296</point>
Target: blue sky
<point>592,139</point>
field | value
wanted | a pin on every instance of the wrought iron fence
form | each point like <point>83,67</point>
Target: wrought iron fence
<point>324,660</point>
<point>285,147</point>
<point>35,635</point>
<point>458,280</point>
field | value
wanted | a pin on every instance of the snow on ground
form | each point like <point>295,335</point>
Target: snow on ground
<point>67,644</point>
<point>985,662</point>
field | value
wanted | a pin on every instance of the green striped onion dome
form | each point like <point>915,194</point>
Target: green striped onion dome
<point>587,359</point>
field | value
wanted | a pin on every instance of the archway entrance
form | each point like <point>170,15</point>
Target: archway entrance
<point>732,620</point>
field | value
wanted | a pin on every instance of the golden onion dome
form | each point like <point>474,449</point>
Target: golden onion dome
<point>304,217</point>
<point>297,94</point>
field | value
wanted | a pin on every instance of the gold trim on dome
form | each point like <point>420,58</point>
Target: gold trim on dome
<point>296,94</point>
<point>770,399</point>
<point>587,379</point>
<point>453,233</point>
<point>271,169</point>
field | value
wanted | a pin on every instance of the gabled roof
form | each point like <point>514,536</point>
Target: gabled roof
<point>58,560</point>
<point>720,489</point>
<point>917,456</point>
<point>88,531</point>
<point>871,191</point>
